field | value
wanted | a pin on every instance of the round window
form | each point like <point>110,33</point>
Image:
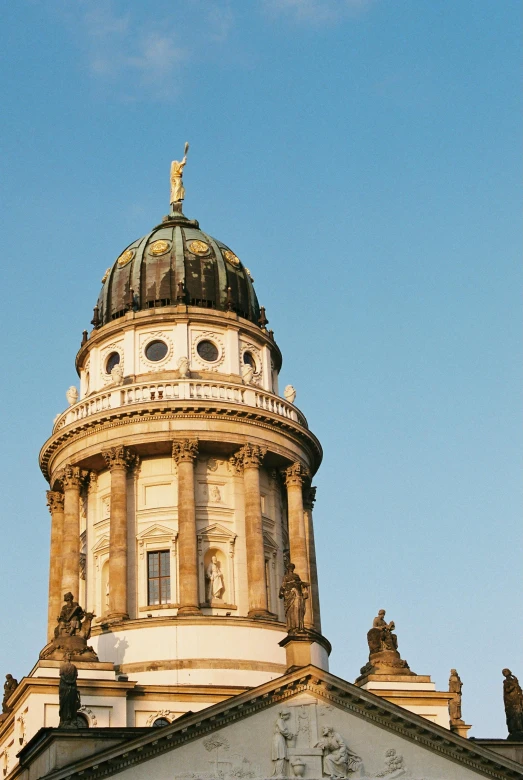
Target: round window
<point>208,351</point>
<point>159,723</point>
<point>249,360</point>
<point>112,361</point>
<point>156,350</point>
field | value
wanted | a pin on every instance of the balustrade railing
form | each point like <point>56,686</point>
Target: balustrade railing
<point>177,390</point>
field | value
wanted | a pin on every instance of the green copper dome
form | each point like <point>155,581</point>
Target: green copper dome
<point>176,263</point>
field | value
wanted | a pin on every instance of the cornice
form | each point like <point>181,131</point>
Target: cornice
<point>330,689</point>
<point>151,411</point>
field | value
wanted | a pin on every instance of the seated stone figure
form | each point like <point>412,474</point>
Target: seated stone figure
<point>388,640</point>
<point>384,657</point>
<point>70,617</point>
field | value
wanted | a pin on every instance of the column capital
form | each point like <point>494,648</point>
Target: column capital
<point>185,450</point>
<point>119,457</point>
<point>296,474</point>
<point>249,456</point>
<point>55,501</point>
<point>309,496</point>
<point>71,477</point>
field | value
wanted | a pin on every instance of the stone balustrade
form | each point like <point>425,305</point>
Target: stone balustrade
<point>177,390</point>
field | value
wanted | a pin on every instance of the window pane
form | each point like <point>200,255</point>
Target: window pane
<point>153,592</point>
<point>165,590</point>
<point>164,564</point>
<point>153,565</point>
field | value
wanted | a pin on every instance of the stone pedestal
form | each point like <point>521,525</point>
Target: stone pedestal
<point>415,692</point>
<point>461,729</point>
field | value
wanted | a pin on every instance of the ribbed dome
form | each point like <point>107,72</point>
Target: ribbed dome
<point>176,263</point>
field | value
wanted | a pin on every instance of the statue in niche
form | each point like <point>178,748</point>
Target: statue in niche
<point>68,694</point>
<point>513,700</point>
<point>282,734</point>
<point>294,592</point>
<point>455,686</point>
<point>71,634</point>
<point>215,581</point>
<point>10,686</point>
<point>338,760</point>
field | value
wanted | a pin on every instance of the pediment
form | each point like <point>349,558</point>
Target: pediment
<point>101,544</point>
<point>269,541</point>
<point>313,724</point>
<point>217,532</point>
<point>155,531</point>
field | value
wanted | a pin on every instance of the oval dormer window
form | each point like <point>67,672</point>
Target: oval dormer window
<point>208,351</point>
<point>112,361</point>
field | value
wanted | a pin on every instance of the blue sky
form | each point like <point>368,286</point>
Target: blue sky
<point>362,158</point>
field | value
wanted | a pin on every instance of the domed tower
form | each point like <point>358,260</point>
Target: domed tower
<point>180,480</point>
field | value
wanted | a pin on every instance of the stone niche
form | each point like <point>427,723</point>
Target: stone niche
<point>216,545</point>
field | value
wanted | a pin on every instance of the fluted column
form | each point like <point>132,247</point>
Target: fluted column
<point>55,502</point>
<point>119,460</point>
<point>185,453</point>
<point>309,497</point>
<point>248,460</point>
<point>295,476</point>
<point>71,481</point>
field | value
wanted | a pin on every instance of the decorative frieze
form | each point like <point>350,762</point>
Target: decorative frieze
<point>185,450</point>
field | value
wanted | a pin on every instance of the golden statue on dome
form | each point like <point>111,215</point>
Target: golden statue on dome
<point>177,188</point>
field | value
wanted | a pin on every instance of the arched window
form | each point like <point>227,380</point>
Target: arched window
<point>159,723</point>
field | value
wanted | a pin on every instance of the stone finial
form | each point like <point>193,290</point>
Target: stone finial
<point>513,700</point>
<point>71,395</point>
<point>185,450</point>
<point>183,367</point>
<point>290,394</point>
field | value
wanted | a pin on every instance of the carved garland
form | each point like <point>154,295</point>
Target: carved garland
<point>209,335</point>
<point>156,365</point>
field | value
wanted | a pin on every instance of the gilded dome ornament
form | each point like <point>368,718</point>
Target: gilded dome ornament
<point>106,274</point>
<point>231,257</point>
<point>177,188</point>
<point>159,247</point>
<point>125,258</point>
<point>198,247</point>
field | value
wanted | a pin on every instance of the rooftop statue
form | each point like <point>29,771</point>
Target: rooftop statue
<point>68,694</point>
<point>71,633</point>
<point>455,686</point>
<point>513,700</point>
<point>10,686</point>
<point>384,657</point>
<point>177,188</point>
<point>294,593</point>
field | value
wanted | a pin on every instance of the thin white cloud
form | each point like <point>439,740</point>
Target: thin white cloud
<point>119,48</point>
<point>314,11</point>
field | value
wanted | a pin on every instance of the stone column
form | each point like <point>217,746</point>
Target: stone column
<point>184,453</point>
<point>71,537</point>
<point>55,502</point>
<point>309,497</point>
<point>295,476</point>
<point>248,459</point>
<point>118,460</point>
